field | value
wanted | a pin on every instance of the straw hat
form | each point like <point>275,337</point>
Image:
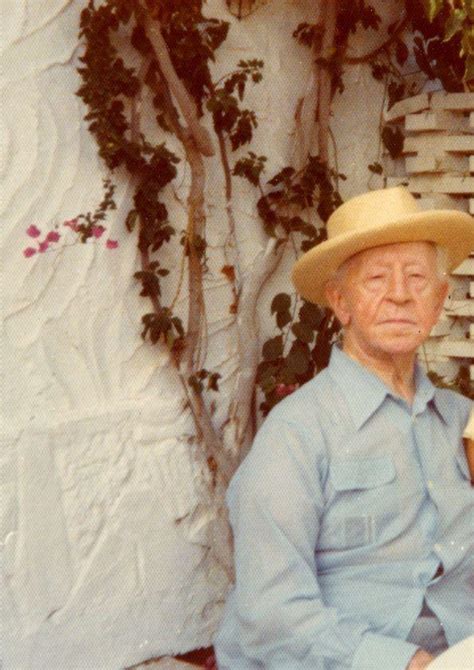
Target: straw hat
<point>372,219</point>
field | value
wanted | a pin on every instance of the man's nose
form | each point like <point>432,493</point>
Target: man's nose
<point>398,290</point>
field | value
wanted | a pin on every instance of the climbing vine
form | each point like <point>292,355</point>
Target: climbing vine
<point>157,112</point>
<point>153,105</point>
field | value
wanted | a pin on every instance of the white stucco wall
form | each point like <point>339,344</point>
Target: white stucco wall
<point>104,505</point>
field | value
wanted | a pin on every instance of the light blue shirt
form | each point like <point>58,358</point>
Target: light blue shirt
<point>342,512</point>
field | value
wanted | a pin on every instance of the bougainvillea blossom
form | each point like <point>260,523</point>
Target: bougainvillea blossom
<point>33,231</point>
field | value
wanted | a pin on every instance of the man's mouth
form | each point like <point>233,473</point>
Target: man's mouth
<point>399,321</point>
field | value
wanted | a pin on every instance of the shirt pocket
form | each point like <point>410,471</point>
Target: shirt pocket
<point>364,500</point>
<point>362,473</point>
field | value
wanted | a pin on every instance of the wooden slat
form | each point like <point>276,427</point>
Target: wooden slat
<point>463,308</point>
<point>436,142</point>
<point>442,183</point>
<point>457,348</point>
<point>445,162</point>
<point>436,120</point>
<point>459,101</point>
<point>466,268</point>
<point>396,181</point>
<point>408,106</point>
<point>443,201</point>
<point>443,327</point>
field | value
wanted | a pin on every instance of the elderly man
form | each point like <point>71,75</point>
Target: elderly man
<point>353,512</point>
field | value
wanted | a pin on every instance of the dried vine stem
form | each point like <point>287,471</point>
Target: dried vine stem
<point>237,437</point>
<point>323,108</point>
<point>207,433</point>
<point>397,31</point>
<point>236,280</point>
<point>194,140</point>
<point>186,366</point>
<point>185,102</point>
<point>136,103</point>
<point>240,410</point>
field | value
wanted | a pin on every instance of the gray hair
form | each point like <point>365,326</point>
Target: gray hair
<point>442,265</point>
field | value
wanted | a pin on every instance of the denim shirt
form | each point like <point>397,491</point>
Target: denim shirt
<point>342,512</point>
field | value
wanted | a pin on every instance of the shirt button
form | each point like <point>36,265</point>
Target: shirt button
<point>430,485</point>
<point>437,547</point>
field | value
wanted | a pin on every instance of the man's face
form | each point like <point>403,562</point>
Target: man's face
<point>390,298</point>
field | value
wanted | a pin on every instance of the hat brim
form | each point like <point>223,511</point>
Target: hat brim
<point>451,229</point>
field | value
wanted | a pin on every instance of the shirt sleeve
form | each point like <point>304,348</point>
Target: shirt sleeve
<point>275,502</point>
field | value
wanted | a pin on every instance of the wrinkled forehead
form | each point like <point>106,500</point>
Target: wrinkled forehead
<point>420,252</point>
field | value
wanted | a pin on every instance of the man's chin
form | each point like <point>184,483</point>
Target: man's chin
<point>400,346</point>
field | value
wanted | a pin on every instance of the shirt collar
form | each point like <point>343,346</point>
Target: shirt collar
<point>364,391</point>
<point>428,393</point>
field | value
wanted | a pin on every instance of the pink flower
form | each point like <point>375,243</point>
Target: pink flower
<point>71,223</point>
<point>53,236</point>
<point>97,230</point>
<point>43,246</point>
<point>33,231</point>
<point>111,244</point>
<point>211,663</point>
<point>285,389</point>
<point>29,251</point>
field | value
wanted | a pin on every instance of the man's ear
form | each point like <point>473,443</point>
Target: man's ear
<point>337,302</point>
<point>442,295</point>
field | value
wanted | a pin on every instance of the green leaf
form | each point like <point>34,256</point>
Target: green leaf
<point>212,381</point>
<point>454,24</point>
<point>287,375</point>
<point>467,42</point>
<point>298,360</point>
<point>283,318</point>
<point>303,331</point>
<point>195,384</point>
<point>469,72</point>
<point>169,339</point>
<point>432,8</point>
<point>376,168</point>
<point>469,9</point>
<point>401,52</point>
<point>273,348</point>
<point>266,373</point>
<point>393,140</point>
<point>177,323</point>
<point>282,176</point>
<point>311,314</point>
<point>280,303</point>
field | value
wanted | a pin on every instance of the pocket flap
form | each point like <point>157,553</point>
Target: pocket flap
<point>361,473</point>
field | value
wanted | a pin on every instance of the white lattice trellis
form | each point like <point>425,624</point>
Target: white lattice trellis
<point>438,166</point>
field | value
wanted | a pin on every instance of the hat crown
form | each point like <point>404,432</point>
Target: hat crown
<point>370,210</point>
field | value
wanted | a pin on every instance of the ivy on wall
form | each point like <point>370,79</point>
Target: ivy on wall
<point>148,64</point>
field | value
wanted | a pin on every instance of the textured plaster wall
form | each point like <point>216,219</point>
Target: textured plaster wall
<point>104,509</point>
